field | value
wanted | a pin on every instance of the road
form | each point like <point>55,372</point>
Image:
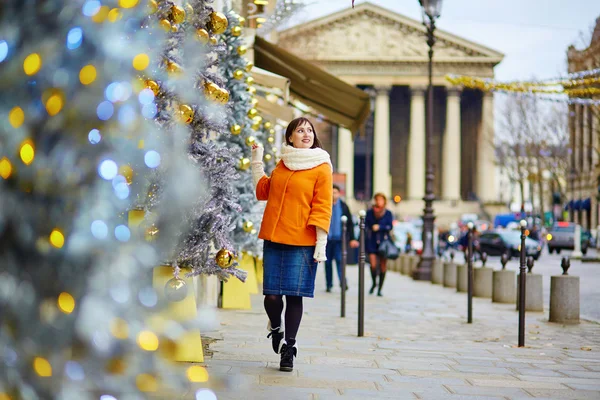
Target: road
<point>549,265</point>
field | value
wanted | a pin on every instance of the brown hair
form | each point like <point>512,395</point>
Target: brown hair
<point>296,123</point>
<point>382,196</point>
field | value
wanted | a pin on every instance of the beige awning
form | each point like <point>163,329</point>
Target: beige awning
<point>268,79</point>
<point>338,101</point>
<point>284,113</point>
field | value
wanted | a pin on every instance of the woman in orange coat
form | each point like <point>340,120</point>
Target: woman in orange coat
<point>294,229</point>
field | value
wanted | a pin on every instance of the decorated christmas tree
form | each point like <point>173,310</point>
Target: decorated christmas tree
<point>190,96</point>
<point>246,127</point>
<point>81,140</point>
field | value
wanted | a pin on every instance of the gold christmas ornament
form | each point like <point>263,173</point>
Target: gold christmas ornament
<point>236,31</point>
<point>224,258</point>
<point>153,6</point>
<point>165,24</point>
<point>253,231</point>
<point>177,14</point>
<point>274,150</point>
<point>218,22</point>
<point>257,120</point>
<point>173,67</point>
<point>250,140</point>
<point>250,80</point>
<point>242,20</point>
<point>186,113</point>
<point>271,140</point>
<point>238,74</point>
<point>249,66</point>
<point>268,125</point>
<point>213,92</point>
<point>151,233</point>
<point>235,129</point>
<point>213,40</point>
<point>251,90</point>
<point>223,96</point>
<point>268,157</point>
<point>241,50</point>
<point>175,290</point>
<point>152,85</point>
<point>254,101</point>
<point>244,164</point>
<point>202,35</point>
<point>174,28</point>
<point>255,126</point>
<point>253,112</point>
<point>248,226</point>
<point>271,131</point>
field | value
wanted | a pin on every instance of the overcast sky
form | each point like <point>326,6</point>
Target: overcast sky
<point>532,34</point>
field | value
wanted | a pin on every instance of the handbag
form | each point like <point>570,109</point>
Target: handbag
<point>387,249</point>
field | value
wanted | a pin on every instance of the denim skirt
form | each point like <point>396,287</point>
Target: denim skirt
<point>289,270</point>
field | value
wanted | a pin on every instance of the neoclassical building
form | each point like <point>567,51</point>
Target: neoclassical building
<point>584,128</point>
<point>385,53</point>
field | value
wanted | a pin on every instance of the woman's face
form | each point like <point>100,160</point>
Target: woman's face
<point>379,202</point>
<point>303,136</point>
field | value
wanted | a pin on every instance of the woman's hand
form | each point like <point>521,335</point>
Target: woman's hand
<point>257,152</point>
<point>375,228</point>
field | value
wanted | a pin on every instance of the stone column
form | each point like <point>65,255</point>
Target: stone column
<point>486,158</point>
<point>416,144</point>
<point>346,159</point>
<point>381,142</point>
<point>451,163</point>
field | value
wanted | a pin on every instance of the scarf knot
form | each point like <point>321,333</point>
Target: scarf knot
<point>302,159</point>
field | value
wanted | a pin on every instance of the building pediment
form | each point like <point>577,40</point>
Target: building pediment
<point>372,33</point>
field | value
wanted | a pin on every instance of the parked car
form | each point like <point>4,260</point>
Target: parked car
<point>497,243</point>
<point>562,237</point>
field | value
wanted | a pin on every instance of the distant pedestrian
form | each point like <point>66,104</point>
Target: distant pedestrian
<point>334,238</point>
<point>379,226</point>
<point>294,229</point>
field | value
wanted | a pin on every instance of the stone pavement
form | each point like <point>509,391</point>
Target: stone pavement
<point>417,345</point>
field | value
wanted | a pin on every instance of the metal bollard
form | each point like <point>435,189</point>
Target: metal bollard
<point>504,260</point>
<point>522,284</point>
<point>361,275</point>
<point>344,260</point>
<point>470,275</point>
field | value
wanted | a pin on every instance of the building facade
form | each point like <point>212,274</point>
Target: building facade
<point>385,53</point>
<point>584,128</point>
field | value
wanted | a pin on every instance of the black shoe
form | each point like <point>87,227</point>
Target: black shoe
<point>328,290</point>
<point>287,358</point>
<point>276,336</point>
<point>372,289</point>
<point>379,294</point>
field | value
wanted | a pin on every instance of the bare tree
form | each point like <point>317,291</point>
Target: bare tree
<point>532,143</point>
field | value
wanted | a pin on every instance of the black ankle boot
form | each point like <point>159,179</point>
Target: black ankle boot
<point>276,336</point>
<point>374,278</point>
<point>381,279</point>
<point>288,352</point>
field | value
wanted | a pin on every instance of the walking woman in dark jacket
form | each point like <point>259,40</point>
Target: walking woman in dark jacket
<point>378,225</point>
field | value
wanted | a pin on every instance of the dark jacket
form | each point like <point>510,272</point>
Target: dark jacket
<point>385,227</point>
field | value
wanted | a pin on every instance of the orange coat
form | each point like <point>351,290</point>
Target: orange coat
<point>297,201</point>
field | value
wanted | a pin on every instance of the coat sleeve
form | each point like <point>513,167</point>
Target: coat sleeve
<point>322,202</point>
<point>369,220</point>
<point>388,221</point>
<point>262,188</point>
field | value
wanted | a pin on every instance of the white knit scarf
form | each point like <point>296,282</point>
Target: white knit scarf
<point>301,159</point>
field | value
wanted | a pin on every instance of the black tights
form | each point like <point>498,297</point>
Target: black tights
<point>293,314</point>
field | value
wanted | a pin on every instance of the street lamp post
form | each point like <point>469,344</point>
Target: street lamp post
<point>431,11</point>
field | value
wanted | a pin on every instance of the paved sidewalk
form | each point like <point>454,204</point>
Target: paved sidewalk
<point>417,345</point>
